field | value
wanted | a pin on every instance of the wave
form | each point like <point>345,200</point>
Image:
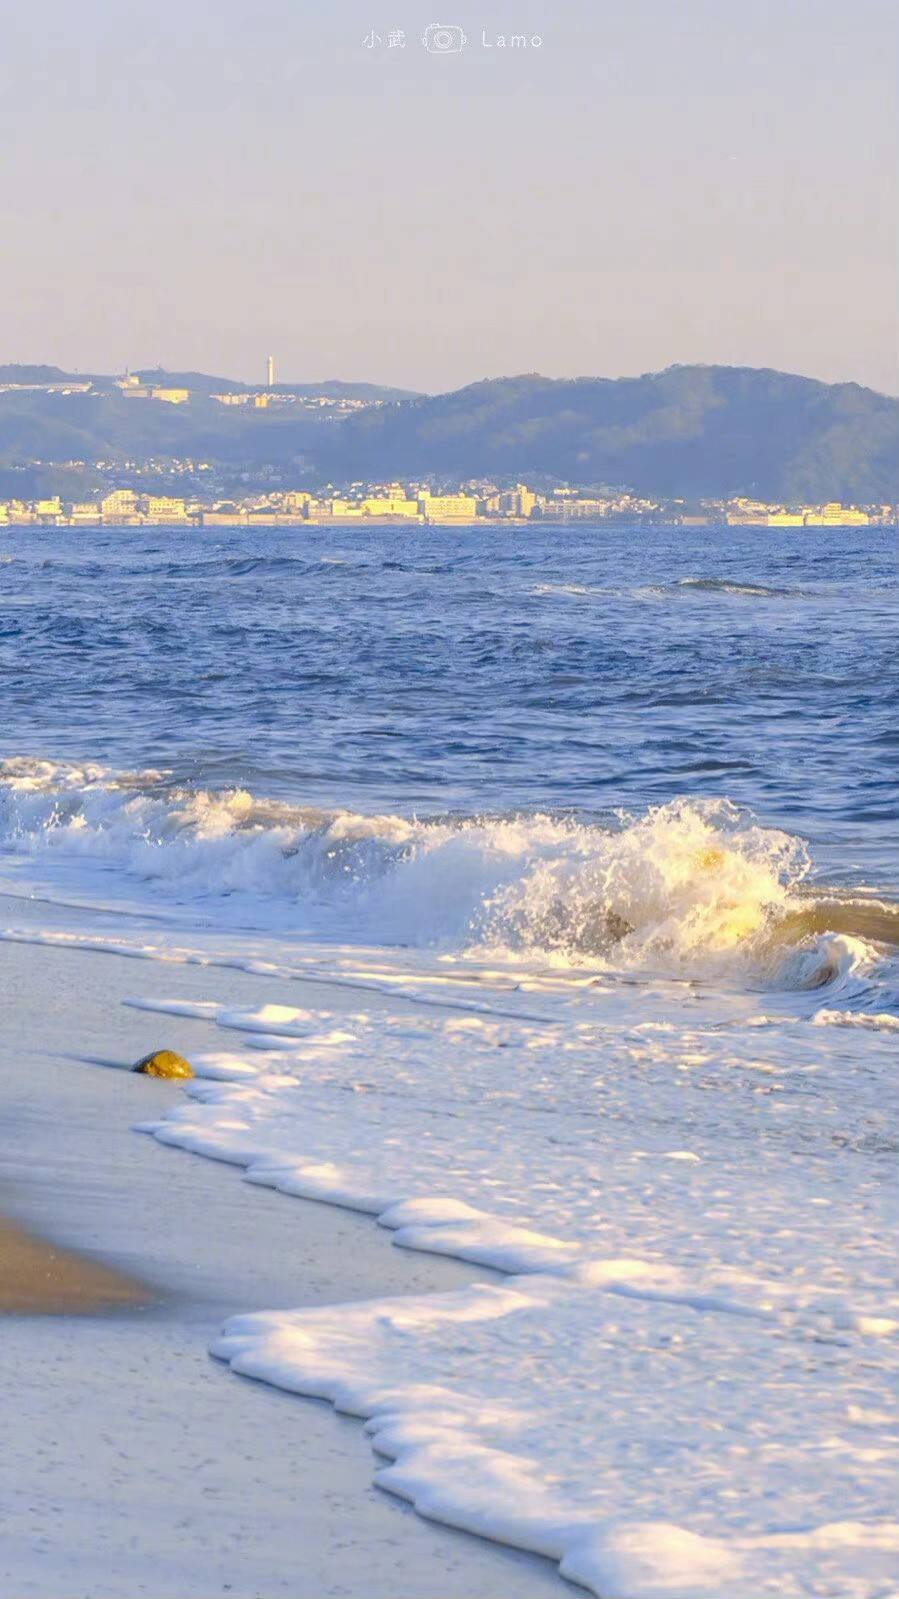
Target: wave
<point>749,591</point>
<point>541,589</point>
<point>878,1022</point>
<point>857,915</point>
<point>659,591</point>
<point>232,566</point>
<point>694,888</point>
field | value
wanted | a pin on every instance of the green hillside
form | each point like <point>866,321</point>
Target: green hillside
<point>689,431</point>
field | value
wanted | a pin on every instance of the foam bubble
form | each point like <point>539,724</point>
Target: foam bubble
<point>693,888</point>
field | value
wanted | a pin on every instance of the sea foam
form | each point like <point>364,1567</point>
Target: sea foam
<point>693,888</point>
<point>670,1322</point>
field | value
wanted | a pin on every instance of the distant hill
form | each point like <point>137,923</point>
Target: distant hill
<point>334,389</point>
<point>15,373</point>
<point>690,431</point>
<point>107,425</point>
<point>204,383</point>
<point>36,426</point>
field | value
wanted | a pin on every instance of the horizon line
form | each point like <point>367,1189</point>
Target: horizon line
<point>82,373</point>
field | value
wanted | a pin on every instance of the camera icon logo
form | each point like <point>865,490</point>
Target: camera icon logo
<point>443,39</point>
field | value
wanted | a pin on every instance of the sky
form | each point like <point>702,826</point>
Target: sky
<point>198,184</point>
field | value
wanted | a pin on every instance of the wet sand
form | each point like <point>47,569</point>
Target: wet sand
<point>40,1278</point>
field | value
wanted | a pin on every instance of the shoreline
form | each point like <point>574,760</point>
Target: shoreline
<point>219,1484</point>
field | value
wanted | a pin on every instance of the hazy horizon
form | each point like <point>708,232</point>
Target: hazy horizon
<point>288,380</point>
<point>199,186</point>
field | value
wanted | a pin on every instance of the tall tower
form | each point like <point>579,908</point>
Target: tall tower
<point>271,371</point>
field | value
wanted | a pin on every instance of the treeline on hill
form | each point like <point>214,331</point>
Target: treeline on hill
<point>687,432</point>
<point>36,426</point>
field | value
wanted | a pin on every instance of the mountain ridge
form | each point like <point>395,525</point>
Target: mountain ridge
<point>688,431</point>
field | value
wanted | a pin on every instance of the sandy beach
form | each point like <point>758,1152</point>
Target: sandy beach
<point>40,1278</point>
<point>133,1463</point>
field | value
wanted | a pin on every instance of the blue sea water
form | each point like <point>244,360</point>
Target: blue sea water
<point>475,670</point>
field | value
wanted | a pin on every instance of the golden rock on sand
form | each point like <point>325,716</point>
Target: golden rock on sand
<point>164,1063</point>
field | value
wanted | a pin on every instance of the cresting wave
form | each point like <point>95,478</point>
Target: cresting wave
<point>728,587</point>
<point>748,591</point>
<point>694,888</point>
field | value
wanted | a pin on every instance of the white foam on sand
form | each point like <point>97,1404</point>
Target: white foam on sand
<point>484,1457</point>
<point>678,1389</point>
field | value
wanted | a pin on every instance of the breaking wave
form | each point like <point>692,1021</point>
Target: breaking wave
<point>695,888</point>
<point>664,591</point>
<point>748,591</point>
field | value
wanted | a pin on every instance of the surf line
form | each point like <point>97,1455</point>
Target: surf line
<point>312,976</point>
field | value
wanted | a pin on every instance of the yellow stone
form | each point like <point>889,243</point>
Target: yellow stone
<point>164,1063</point>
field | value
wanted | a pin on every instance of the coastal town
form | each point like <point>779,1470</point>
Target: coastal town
<point>148,429</point>
<point>479,503</point>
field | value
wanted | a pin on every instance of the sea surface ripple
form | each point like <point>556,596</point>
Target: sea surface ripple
<point>473,671</point>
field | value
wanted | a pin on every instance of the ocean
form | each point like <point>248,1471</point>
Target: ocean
<point>473,671</point>
<point>612,814</point>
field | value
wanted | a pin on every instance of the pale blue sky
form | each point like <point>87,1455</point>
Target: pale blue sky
<point>199,184</point>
